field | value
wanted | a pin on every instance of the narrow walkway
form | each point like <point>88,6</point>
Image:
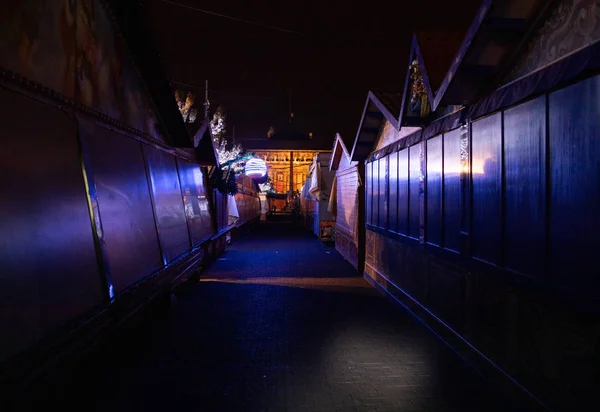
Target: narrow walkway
<point>279,323</point>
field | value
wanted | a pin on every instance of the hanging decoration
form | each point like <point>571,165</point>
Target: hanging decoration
<point>418,97</point>
<point>230,155</point>
<point>217,124</point>
<point>185,106</point>
<point>256,168</point>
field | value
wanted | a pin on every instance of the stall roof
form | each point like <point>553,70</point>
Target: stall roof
<point>433,49</point>
<point>129,17</point>
<point>436,50</point>
<point>206,153</point>
<point>374,114</point>
<point>392,102</point>
<point>339,150</point>
<point>496,33</point>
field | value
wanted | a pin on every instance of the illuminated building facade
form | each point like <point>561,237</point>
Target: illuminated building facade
<point>287,169</point>
<point>288,157</point>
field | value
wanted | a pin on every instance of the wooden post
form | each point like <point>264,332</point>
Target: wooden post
<point>362,235</point>
<point>291,171</point>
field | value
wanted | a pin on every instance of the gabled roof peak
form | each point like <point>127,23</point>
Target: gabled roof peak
<point>339,150</point>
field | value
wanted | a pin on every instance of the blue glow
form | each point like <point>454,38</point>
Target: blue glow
<point>444,341</point>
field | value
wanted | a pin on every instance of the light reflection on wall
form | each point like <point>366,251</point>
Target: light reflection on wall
<point>478,168</point>
<point>198,177</point>
<point>189,210</point>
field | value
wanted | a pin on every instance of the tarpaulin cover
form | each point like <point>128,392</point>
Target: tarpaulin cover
<point>234,214</point>
<point>315,183</point>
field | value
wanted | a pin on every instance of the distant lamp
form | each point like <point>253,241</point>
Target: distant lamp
<point>256,168</point>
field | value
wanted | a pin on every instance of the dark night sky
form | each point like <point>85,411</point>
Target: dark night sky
<point>343,52</point>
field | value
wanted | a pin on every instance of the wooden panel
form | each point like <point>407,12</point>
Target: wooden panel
<point>125,206</point>
<point>446,292</point>
<point>452,171</point>
<point>221,209</point>
<point>369,193</point>
<point>48,267</point>
<point>486,173</point>
<point>345,245</point>
<point>403,192</point>
<point>575,185</point>
<point>383,188</point>
<point>195,201</point>
<point>525,200</point>
<point>370,248</point>
<point>347,200</point>
<point>393,192</point>
<point>170,216</point>
<point>434,191</point>
<point>414,211</point>
<point>248,206</point>
<point>375,203</point>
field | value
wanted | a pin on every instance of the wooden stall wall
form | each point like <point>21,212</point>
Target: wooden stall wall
<point>221,223</point>
<point>347,215</point>
<point>171,220</point>
<point>247,201</point>
<point>318,218</point>
<point>48,268</point>
<point>129,231</point>
<point>311,218</point>
<point>192,179</point>
<point>130,214</point>
<point>507,256</point>
<point>310,206</point>
<point>221,210</point>
<point>100,215</point>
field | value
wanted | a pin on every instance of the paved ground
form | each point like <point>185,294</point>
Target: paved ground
<point>279,323</point>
